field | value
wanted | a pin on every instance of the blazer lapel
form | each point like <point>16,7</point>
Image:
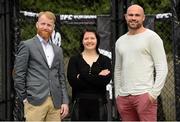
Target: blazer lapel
<point>40,48</point>
<point>55,54</point>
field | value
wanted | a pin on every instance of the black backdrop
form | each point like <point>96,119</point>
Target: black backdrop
<point>7,36</point>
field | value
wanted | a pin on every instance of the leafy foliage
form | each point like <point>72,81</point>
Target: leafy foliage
<point>154,6</point>
<point>67,7</point>
<point>71,33</point>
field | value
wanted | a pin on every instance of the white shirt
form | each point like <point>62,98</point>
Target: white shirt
<point>48,51</point>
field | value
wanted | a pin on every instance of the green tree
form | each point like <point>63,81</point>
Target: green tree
<point>154,6</point>
<point>67,6</point>
<point>71,33</point>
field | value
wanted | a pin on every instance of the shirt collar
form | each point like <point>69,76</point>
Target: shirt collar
<point>42,40</point>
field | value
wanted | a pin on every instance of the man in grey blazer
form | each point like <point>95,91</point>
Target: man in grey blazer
<point>39,77</point>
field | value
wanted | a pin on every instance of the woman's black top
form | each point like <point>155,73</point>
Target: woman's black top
<point>89,82</point>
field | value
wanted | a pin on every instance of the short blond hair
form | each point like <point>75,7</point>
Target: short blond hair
<point>48,14</point>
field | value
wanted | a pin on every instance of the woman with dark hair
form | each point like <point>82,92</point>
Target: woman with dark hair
<point>88,74</point>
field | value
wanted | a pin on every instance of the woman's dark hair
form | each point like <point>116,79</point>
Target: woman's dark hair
<point>97,38</point>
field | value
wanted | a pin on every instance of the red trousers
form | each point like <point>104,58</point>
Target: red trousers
<point>137,108</point>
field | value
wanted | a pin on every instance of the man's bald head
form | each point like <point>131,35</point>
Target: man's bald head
<point>135,7</point>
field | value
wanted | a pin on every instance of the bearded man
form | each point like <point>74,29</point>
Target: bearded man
<point>39,78</point>
<point>138,53</point>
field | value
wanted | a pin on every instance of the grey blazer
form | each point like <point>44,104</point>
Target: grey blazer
<point>34,80</point>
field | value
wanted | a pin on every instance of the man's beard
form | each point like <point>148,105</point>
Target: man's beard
<point>44,34</point>
<point>136,26</point>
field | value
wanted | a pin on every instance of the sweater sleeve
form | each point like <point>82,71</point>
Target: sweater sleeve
<point>160,63</point>
<point>72,73</point>
<point>117,70</point>
<point>94,78</point>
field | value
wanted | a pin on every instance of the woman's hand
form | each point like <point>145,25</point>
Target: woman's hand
<point>104,72</point>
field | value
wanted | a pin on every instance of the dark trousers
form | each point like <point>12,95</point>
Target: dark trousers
<point>89,110</point>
